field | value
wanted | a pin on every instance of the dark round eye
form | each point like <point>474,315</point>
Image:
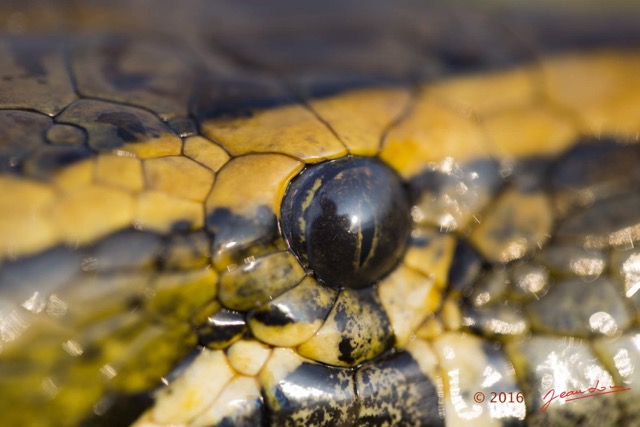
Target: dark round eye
<point>347,220</point>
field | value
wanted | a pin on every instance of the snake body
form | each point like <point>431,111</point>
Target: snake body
<point>145,153</point>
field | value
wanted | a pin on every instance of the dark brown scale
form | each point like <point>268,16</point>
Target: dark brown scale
<point>21,133</point>
<point>222,328</point>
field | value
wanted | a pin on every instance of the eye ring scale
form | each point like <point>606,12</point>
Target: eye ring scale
<point>347,220</point>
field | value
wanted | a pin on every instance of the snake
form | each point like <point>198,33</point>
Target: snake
<point>319,214</point>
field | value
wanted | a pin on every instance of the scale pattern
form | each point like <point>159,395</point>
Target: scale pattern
<point>144,156</point>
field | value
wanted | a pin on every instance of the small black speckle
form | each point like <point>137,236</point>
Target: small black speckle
<point>346,351</point>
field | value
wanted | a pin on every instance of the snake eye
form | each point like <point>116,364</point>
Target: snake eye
<point>347,220</point>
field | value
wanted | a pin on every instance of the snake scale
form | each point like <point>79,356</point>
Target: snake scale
<point>319,213</point>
